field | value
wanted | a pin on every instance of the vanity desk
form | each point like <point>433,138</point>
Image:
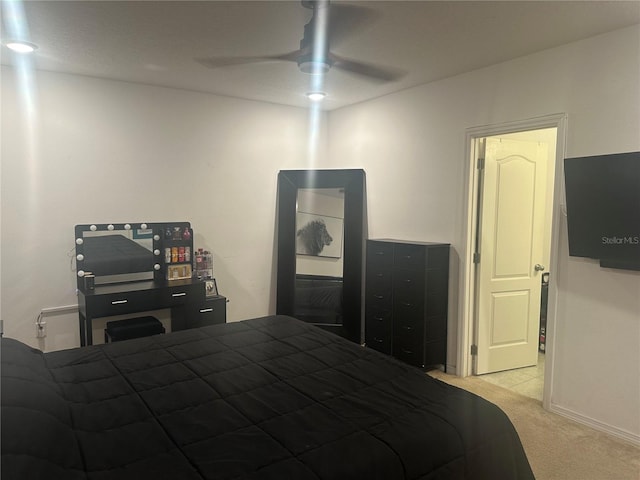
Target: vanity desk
<point>142,280</point>
<point>185,298</point>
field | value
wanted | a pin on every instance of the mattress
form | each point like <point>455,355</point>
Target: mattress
<point>266,398</point>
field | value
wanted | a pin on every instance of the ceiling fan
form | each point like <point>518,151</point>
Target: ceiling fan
<point>329,24</point>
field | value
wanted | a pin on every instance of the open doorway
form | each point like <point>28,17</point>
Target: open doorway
<point>510,254</point>
<point>512,257</point>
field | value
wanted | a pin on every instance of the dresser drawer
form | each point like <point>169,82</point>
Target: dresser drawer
<point>409,257</point>
<point>408,332</point>
<point>106,305</point>
<point>378,300</point>
<point>411,352</point>
<point>439,258</point>
<point>378,281</point>
<point>436,305</point>
<point>435,352</point>
<point>378,335</point>
<point>436,328</point>
<point>408,285</point>
<point>379,256</point>
<point>378,321</point>
<point>409,311</point>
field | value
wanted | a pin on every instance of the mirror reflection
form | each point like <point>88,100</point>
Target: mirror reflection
<point>319,255</point>
<point>320,248</point>
<point>118,255</point>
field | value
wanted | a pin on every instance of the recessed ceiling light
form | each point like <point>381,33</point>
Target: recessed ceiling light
<point>316,96</point>
<point>21,47</point>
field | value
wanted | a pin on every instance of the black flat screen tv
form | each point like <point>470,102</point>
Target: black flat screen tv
<point>603,208</point>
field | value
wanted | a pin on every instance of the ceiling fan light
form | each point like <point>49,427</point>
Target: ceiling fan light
<point>19,46</point>
<point>316,96</point>
<point>314,67</point>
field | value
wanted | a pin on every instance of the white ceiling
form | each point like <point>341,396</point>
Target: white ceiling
<point>156,42</point>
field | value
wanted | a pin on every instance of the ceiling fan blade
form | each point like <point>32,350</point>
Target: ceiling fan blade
<point>218,62</point>
<point>374,72</point>
<point>344,20</point>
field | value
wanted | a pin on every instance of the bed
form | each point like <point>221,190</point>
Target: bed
<point>266,398</point>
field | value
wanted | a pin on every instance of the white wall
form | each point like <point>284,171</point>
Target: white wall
<point>412,146</point>
<point>99,151</point>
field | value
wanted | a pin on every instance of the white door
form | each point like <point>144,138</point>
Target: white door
<point>511,246</point>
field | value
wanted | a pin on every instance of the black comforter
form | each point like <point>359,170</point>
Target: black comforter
<point>269,398</point>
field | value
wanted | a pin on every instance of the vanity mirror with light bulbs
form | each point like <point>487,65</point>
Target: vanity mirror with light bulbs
<point>125,268</point>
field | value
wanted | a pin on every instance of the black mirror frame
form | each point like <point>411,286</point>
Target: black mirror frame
<point>352,181</point>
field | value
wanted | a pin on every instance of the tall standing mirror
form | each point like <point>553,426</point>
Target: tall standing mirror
<point>320,248</point>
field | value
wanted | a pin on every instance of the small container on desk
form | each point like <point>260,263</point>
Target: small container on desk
<point>203,264</point>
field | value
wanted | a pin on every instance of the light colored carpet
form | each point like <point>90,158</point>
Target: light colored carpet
<point>557,448</point>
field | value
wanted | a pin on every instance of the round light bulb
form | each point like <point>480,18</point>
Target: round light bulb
<point>93,228</point>
<point>156,238</point>
<point>143,226</point>
<point>79,257</point>
<point>156,266</point>
<point>79,241</point>
<point>127,226</point>
<point>156,252</point>
<point>110,227</point>
<point>81,273</point>
<point>21,47</point>
<point>316,96</point>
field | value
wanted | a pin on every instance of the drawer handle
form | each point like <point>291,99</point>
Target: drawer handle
<point>206,310</point>
<point>407,257</point>
<point>179,294</point>
<point>405,304</point>
<point>407,280</point>
<point>379,275</point>
<point>379,340</point>
<point>119,302</point>
<point>378,317</point>
<point>379,253</point>
<point>408,352</point>
<point>379,297</point>
<point>407,327</point>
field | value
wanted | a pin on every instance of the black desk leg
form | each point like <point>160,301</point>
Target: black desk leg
<point>83,340</point>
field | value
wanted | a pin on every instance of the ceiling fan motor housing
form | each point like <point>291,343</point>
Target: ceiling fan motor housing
<point>314,45</point>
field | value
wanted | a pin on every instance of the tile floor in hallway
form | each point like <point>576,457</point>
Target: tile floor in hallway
<point>528,381</point>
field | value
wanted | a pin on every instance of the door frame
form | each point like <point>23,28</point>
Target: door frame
<point>468,279</point>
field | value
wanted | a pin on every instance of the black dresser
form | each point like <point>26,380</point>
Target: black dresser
<point>406,300</point>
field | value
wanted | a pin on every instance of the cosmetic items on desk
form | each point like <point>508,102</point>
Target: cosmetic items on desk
<point>203,264</point>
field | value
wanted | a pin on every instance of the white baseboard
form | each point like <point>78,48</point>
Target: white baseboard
<point>451,370</point>
<point>596,425</point>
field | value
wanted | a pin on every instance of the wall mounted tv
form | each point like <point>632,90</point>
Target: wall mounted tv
<point>603,208</point>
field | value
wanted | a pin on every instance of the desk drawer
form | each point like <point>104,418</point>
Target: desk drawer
<point>181,294</point>
<point>119,303</point>
<point>210,312</point>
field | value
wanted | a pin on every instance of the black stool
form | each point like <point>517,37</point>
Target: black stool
<point>117,330</point>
